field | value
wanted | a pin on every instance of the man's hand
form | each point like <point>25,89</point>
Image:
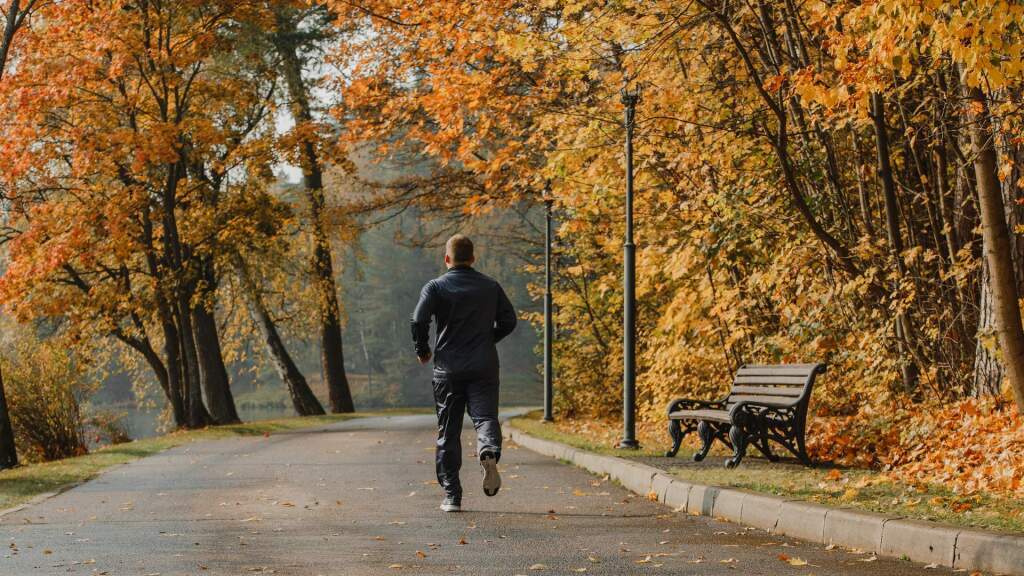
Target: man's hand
<point>424,359</point>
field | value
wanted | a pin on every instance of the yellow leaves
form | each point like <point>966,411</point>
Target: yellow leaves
<point>795,561</point>
<point>850,495</point>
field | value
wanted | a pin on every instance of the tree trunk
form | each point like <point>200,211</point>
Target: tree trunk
<point>988,371</point>
<point>8,453</point>
<point>196,415</point>
<point>997,248</point>
<point>303,399</point>
<point>212,372</point>
<point>331,351</point>
<point>366,358</point>
<point>172,352</point>
<point>904,330</point>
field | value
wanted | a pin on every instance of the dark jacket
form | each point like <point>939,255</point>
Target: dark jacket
<point>472,314</point>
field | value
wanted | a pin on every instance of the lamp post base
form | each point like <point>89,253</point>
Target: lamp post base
<point>628,444</point>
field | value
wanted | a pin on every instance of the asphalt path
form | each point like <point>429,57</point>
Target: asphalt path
<point>359,498</point>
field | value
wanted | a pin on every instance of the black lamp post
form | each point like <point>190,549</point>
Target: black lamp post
<point>548,324</point>
<point>630,100</point>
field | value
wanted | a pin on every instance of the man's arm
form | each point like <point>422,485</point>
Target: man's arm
<point>505,320</point>
<point>421,322</point>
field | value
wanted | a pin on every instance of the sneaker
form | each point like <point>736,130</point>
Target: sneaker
<point>492,480</point>
<point>451,503</point>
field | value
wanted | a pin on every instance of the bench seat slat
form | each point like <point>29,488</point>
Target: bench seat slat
<point>706,414</point>
<point>787,391</point>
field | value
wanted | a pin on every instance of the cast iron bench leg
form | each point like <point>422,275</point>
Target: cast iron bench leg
<point>802,451</point>
<point>675,430</point>
<point>762,442</point>
<point>707,436</point>
<point>739,445</point>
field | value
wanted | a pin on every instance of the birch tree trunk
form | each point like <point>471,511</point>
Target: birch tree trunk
<point>998,248</point>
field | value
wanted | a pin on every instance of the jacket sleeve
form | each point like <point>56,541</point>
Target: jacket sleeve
<point>505,320</point>
<point>421,319</point>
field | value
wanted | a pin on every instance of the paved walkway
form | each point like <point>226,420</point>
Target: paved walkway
<point>358,498</point>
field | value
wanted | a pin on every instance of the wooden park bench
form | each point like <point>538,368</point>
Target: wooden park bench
<point>766,403</point>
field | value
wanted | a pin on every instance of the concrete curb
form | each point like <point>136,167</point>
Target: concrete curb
<point>925,542</point>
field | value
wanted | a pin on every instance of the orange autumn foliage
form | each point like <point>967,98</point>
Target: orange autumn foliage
<point>768,229</point>
<point>971,445</point>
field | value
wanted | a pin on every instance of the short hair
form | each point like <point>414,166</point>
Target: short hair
<point>460,249</point>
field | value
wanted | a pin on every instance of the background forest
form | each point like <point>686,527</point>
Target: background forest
<point>832,181</point>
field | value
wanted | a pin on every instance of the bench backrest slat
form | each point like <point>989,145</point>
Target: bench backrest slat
<point>782,384</point>
<point>771,380</point>
<point>780,370</point>
<point>759,398</point>
<point>779,391</point>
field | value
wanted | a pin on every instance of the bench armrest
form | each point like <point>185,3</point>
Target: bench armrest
<point>691,404</point>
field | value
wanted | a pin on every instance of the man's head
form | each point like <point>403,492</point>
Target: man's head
<point>458,251</point>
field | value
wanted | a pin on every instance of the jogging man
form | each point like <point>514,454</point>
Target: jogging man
<point>472,314</point>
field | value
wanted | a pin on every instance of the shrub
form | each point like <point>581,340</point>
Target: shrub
<point>44,389</point>
<point>108,427</point>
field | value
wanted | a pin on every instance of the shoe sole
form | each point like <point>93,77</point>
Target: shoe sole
<point>492,480</point>
<point>450,508</point>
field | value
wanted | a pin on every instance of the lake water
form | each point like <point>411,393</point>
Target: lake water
<point>146,423</point>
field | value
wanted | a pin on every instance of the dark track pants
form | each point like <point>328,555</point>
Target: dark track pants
<point>452,398</point>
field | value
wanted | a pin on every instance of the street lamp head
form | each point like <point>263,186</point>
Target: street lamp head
<point>547,197</point>
<point>630,98</point>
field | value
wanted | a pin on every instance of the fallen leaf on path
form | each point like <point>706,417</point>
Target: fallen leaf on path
<point>421,554</point>
<point>646,560</point>
<point>462,541</point>
<point>793,561</point>
<point>538,567</point>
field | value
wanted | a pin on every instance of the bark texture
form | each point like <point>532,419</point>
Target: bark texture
<point>998,248</point>
<point>212,372</point>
